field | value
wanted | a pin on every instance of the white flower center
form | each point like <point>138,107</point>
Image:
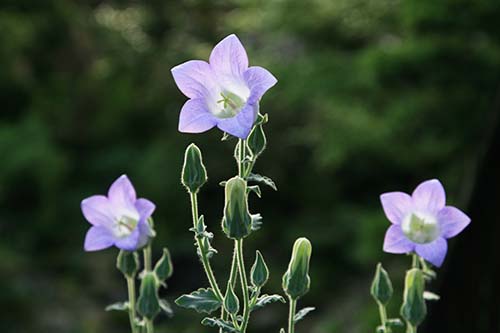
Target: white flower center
<point>420,228</point>
<point>124,226</point>
<point>229,105</point>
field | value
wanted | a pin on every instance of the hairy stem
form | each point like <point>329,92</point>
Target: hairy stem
<point>131,303</point>
<point>383,317</point>
<point>244,286</point>
<point>149,326</point>
<point>410,328</point>
<point>291,315</point>
<point>147,258</point>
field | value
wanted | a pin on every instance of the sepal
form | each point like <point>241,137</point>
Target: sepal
<point>257,141</point>
<point>118,306</point>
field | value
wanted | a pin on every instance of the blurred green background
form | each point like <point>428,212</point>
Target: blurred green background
<point>373,96</point>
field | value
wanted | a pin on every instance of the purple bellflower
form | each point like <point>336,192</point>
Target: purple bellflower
<point>223,92</point>
<point>119,219</point>
<point>422,222</point>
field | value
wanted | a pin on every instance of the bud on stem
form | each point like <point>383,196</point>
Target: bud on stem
<point>259,273</point>
<point>128,263</point>
<point>148,304</point>
<point>194,173</point>
<point>296,281</point>
<point>164,267</point>
<point>237,221</point>
<point>414,308</point>
<point>381,289</point>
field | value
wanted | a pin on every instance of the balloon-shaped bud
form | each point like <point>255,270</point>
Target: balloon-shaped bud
<point>381,288</point>
<point>148,303</point>
<point>414,309</point>
<point>296,281</point>
<point>237,221</point>
<point>257,141</point>
<point>231,301</point>
<point>194,173</point>
<point>164,267</point>
<point>259,273</point>
<point>128,263</point>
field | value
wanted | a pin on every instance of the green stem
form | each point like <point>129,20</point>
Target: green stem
<point>291,315</point>
<point>149,326</point>
<point>241,149</point>
<point>244,286</point>
<point>410,328</point>
<point>415,261</point>
<point>131,302</point>
<point>147,258</point>
<point>383,317</point>
<point>203,251</point>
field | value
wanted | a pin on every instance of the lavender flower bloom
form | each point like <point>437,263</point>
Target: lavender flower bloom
<point>119,219</point>
<point>224,92</point>
<point>421,222</point>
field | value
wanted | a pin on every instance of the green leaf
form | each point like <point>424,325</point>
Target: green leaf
<point>394,322</point>
<point>302,313</point>
<point>256,222</point>
<point>118,306</point>
<point>267,299</point>
<point>216,322</point>
<point>255,177</point>
<point>167,308</point>
<point>201,300</point>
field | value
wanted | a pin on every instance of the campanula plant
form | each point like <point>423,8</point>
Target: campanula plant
<point>225,93</point>
<point>420,225</point>
<point>121,219</point>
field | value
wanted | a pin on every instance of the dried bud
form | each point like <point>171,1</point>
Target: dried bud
<point>296,281</point>
<point>194,174</point>
<point>237,221</point>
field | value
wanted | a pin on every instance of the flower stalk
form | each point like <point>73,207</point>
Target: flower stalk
<point>131,303</point>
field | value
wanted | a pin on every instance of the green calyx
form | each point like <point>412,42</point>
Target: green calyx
<point>381,288</point>
<point>128,263</point>
<point>194,173</point>
<point>259,273</point>
<point>414,308</point>
<point>148,303</point>
<point>237,221</point>
<point>296,280</point>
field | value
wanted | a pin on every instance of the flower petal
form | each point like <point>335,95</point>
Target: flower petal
<point>195,117</point>
<point>434,252</point>
<point>396,242</point>
<point>452,221</point>
<point>259,80</point>
<point>229,57</point>
<point>97,210</point>
<point>145,232</point>
<point>429,196</point>
<point>396,205</point>
<point>122,192</point>
<point>242,123</point>
<point>145,208</point>
<point>129,243</point>
<point>98,238</point>
<point>194,78</point>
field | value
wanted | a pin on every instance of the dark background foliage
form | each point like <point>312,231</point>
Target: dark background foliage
<point>373,96</point>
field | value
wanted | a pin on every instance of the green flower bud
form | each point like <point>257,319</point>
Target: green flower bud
<point>414,309</point>
<point>128,263</point>
<point>257,141</point>
<point>231,301</point>
<point>296,281</point>
<point>381,288</point>
<point>164,267</point>
<point>259,273</point>
<point>148,303</point>
<point>237,221</point>
<point>194,174</point>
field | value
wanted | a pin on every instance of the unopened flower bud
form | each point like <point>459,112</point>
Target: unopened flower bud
<point>128,263</point>
<point>259,273</point>
<point>148,303</point>
<point>231,301</point>
<point>164,267</point>
<point>194,174</point>
<point>296,281</point>
<point>257,141</point>
<point>381,288</point>
<point>237,221</point>
<point>414,309</point>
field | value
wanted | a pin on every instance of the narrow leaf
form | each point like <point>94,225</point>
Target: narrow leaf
<point>224,325</point>
<point>267,299</point>
<point>254,177</point>
<point>118,306</point>
<point>302,313</point>
<point>167,308</point>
